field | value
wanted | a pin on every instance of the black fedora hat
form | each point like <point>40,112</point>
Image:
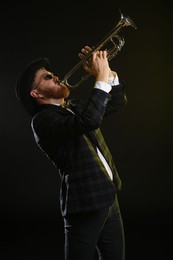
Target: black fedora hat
<point>24,82</point>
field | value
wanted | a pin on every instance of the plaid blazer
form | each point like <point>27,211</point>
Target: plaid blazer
<point>69,141</point>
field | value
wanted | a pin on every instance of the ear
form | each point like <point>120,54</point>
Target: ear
<point>35,94</point>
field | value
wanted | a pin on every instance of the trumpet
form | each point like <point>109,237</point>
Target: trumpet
<point>112,38</point>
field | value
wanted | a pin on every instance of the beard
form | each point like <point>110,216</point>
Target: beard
<point>58,93</point>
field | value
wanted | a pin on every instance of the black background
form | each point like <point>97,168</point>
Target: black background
<point>139,136</point>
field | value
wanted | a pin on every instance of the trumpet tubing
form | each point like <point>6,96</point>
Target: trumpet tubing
<point>112,38</point>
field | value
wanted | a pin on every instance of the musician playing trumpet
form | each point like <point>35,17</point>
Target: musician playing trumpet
<point>68,132</point>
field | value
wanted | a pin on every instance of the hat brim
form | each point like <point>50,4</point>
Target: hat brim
<point>24,82</point>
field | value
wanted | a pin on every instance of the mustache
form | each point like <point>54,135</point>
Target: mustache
<point>60,83</point>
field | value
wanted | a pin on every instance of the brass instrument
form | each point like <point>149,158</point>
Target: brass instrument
<point>111,37</point>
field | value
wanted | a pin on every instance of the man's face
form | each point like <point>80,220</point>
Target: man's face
<point>48,85</point>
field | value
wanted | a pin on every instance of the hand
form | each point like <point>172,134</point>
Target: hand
<point>97,65</point>
<point>112,74</point>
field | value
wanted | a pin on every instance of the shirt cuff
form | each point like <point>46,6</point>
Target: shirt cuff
<point>103,86</point>
<point>113,81</point>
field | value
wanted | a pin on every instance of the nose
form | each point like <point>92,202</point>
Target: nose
<point>56,79</point>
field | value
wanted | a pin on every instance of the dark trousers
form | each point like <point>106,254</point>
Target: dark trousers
<point>98,232</point>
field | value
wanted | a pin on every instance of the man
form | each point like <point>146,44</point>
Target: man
<point>71,138</point>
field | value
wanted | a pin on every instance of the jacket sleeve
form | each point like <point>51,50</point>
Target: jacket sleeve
<point>62,124</point>
<point>118,98</point>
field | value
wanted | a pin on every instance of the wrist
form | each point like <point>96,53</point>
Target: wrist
<point>103,78</point>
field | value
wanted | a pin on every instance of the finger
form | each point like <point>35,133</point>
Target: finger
<point>81,56</point>
<point>94,56</point>
<point>87,48</point>
<point>98,54</point>
<point>104,54</point>
<point>85,63</point>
